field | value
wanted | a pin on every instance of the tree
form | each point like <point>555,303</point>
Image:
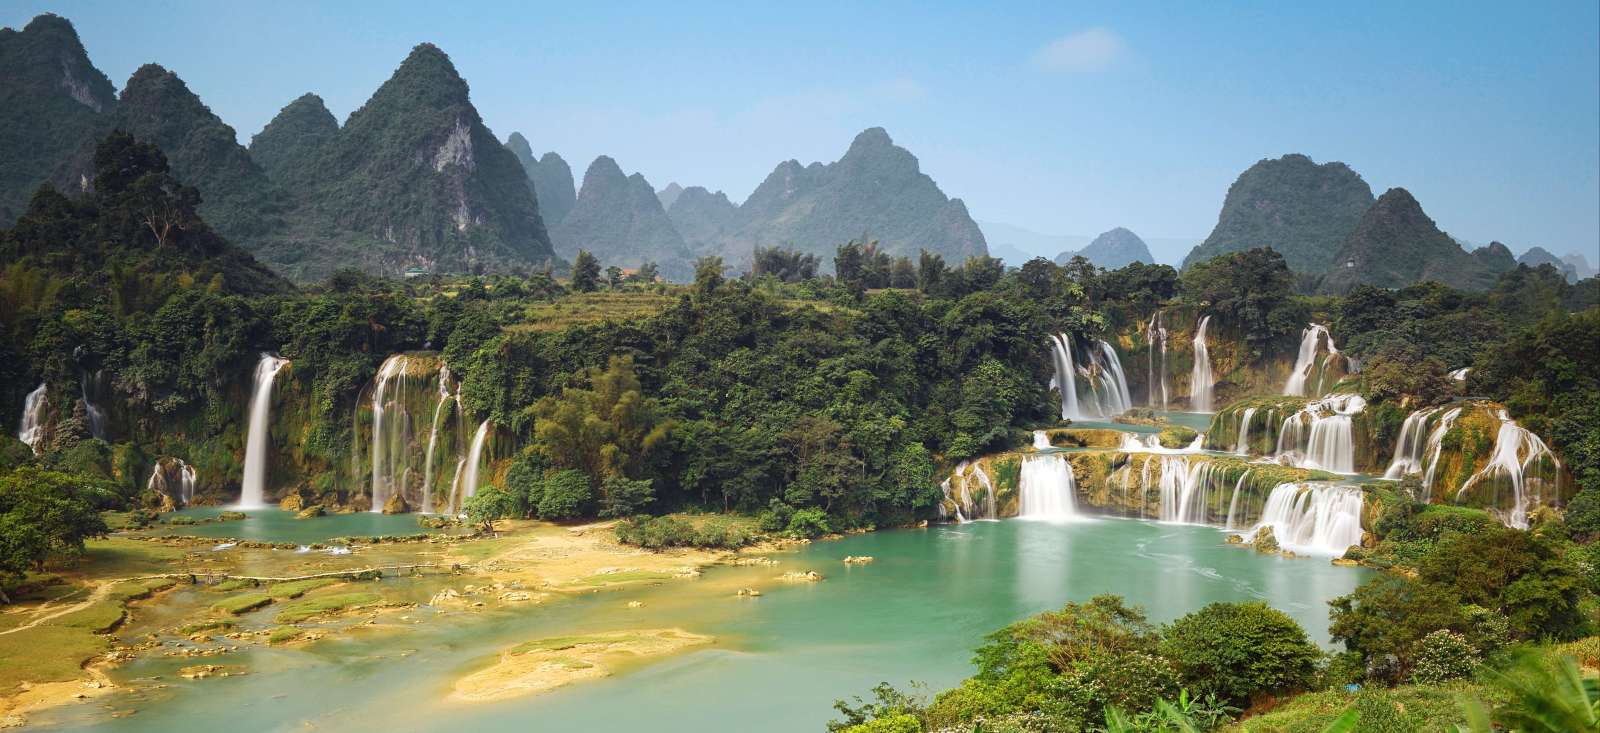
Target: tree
<point>849,267</point>
<point>613,277</point>
<point>567,495</point>
<point>45,515</point>
<point>621,496</point>
<point>903,274</point>
<point>604,430</point>
<point>585,272</point>
<point>1240,651</point>
<point>931,272</point>
<point>488,504</point>
<point>708,275</point>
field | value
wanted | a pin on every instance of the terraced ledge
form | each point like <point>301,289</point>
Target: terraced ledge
<point>546,664</point>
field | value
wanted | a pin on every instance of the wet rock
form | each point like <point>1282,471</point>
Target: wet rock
<point>809,576</point>
<point>857,559</point>
<point>292,503</point>
<point>749,592</point>
<point>396,505</point>
<point>315,510</point>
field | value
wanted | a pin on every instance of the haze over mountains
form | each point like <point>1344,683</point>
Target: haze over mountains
<point>415,180</point>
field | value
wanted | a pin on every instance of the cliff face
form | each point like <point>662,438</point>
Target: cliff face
<point>1299,208</point>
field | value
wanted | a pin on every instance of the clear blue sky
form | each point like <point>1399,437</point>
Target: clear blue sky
<point>1062,118</point>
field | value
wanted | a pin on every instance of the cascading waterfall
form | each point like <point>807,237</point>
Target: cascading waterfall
<point>1435,448</point>
<point>1460,375</point>
<point>1321,435</point>
<point>174,478</point>
<point>1408,448</point>
<point>1233,502</point>
<point>1151,443</point>
<point>32,429</point>
<point>88,386</point>
<point>1311,340</point>
<point>1156,338</point>
<point>474,457</point>
<point>1313,518</point>
<point>1185,490</point>
<point>958,490</point>
<point>1046,488</point>
<point>1517,453</point>
<point>445,398</point>
<point>1242,447</point>
<point>1066,380</point>
<point>253,494</point>
<point>1110,384</point>
<point>390,432</point>
<point>1041,440</point>
<point>1200,382</point>
<point>1107,383</point>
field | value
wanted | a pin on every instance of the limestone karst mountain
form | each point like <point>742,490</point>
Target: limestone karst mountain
<point>1397,244</point>
<point>551,178</point>
<point>1537,256</point>
<point>669,194</point>
<point>1303,210</point>
<point>876,190</point>
<point>52,102</point>
<point>703,218</point>
<point>291,142</point>
<point>619,219</point>
<point>1112,250</point>
<point>414,179</point>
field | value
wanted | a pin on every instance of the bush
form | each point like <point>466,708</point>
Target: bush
<point>1240,651</point>
<point>721,532</point>
<point>490,503</point>
<point>621,496</point>
<point>1442,655</point>
<point>1583,515</point>
<point>1177,436</point>
<point>811,522</point>
<point>1129,681</point>
<point>656,533</point>
<point>776,517</point>
<point>566,495</point>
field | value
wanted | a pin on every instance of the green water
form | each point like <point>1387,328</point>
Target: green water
<point>1199,421</point>
<point>276,525</point>
<point>780,660</point>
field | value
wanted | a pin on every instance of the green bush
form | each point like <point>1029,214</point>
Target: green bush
<point>656,532</point>
<point>1442,655</point>
<point>893,724</point>
<point>724,533</point>
<point>1240,651</point>
<point>621,496</point>
<point>1583,515</point>
<point>810,522</point>
<point>775,518</point>
<point>1177,436</point>
<point>566,495</point>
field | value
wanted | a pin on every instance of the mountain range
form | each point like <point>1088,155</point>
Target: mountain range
<point>1112,250</point>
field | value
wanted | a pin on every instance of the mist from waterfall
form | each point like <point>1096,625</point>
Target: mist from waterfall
<point>1313,518</point>
<point>33,414</point>
<point>1305,361</point>
<point>253,493</point>
<point>1201,383</point>
<point>1046,488</point>
<point>1155,336</point>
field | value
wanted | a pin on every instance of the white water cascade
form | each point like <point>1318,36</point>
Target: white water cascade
<point>469,475</point>
<point>32,429</point>
<point>1107,383</point>
<point>1041,440</point>
<point>1046,488</point>
<point>958,490</point>
<point>1242,446</point>
<point>1313,518</point>
<point>253,494</point>
<point>1408,449</point>
<point>1459,375</point>
<point>1233,502</point>
<point>1151,443</point>
<point>174,478</point>
<point>1201,383</point>
<point>446,398</point>
<point>1185,490</point>
<point>1517,453</point>
<point>1434,448</point>
<point>1066,380</point>
<point>1155,336</point>
<point>1328,442</point>
<point>95,415</point>
<point>1311,340</point>
<point>390,459</point>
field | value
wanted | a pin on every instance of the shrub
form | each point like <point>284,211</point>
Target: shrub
<point>1583,515</point>
<point>776,517</point>
<point>723,533</point>
<point>1177,436</point>
<point>1239,651</point>
<point>566,495</point>
<point>488,504</point>
<point>1129,681</point>
<point>621,496</point>
<point>1442,655</point>
<point>810,522</point>
<point>656,532</point>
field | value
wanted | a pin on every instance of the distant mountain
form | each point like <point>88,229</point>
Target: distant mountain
<point>1017,245</point>
<point>1540,256</point>
<point>414,179</point>
<point>703,218</point>
<point>620,221</point>
<point>669,194</point>
<point>1395,244</point>
<point>291,142</point>
<point>1112,250</point>
<point>877,190</point>
<point>1580,265</point>
<point>551,178</point>
<point>1303,210</point>
<point>53,102</point>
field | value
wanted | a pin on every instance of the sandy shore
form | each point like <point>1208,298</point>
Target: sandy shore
<point>546,664</point>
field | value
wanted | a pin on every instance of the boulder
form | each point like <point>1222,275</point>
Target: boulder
<point>360,503</point>
<point>857,560</point>
<point>1265,540</point>
<point>292,503</point>
<point>315,510</point>
<point>396,505</point>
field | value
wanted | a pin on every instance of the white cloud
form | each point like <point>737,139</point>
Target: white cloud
<point>1086,50</point>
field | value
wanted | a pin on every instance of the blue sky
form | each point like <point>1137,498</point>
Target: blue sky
<point>1066,118</point>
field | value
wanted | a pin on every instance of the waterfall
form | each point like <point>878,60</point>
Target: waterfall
<point>1151,443</point>
<point>1185,490</point>
<point>390,431</point>
<point>1408,448</point>
<point>32,428</point>
<point>1041,440</point>
<point>1046,488</point>
<point>253,494</point>
<point>474,457</point>
<point>1329,445</point>
<point>1460,375</point>
<point>1242,447</point>
<point>162,480</point>
<point>1516,451</point>
<point>1110,384</point>
<point>958,493</point>
<point>1313,519</point>
<point>1156,337</point>
<point>1311,339</point>
<point>1434,448</point>
<point>1066,376</point>
<point>1233,502</point>
<point>445,398</point>
<point>96,416</point>
<point>1200,381</point>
